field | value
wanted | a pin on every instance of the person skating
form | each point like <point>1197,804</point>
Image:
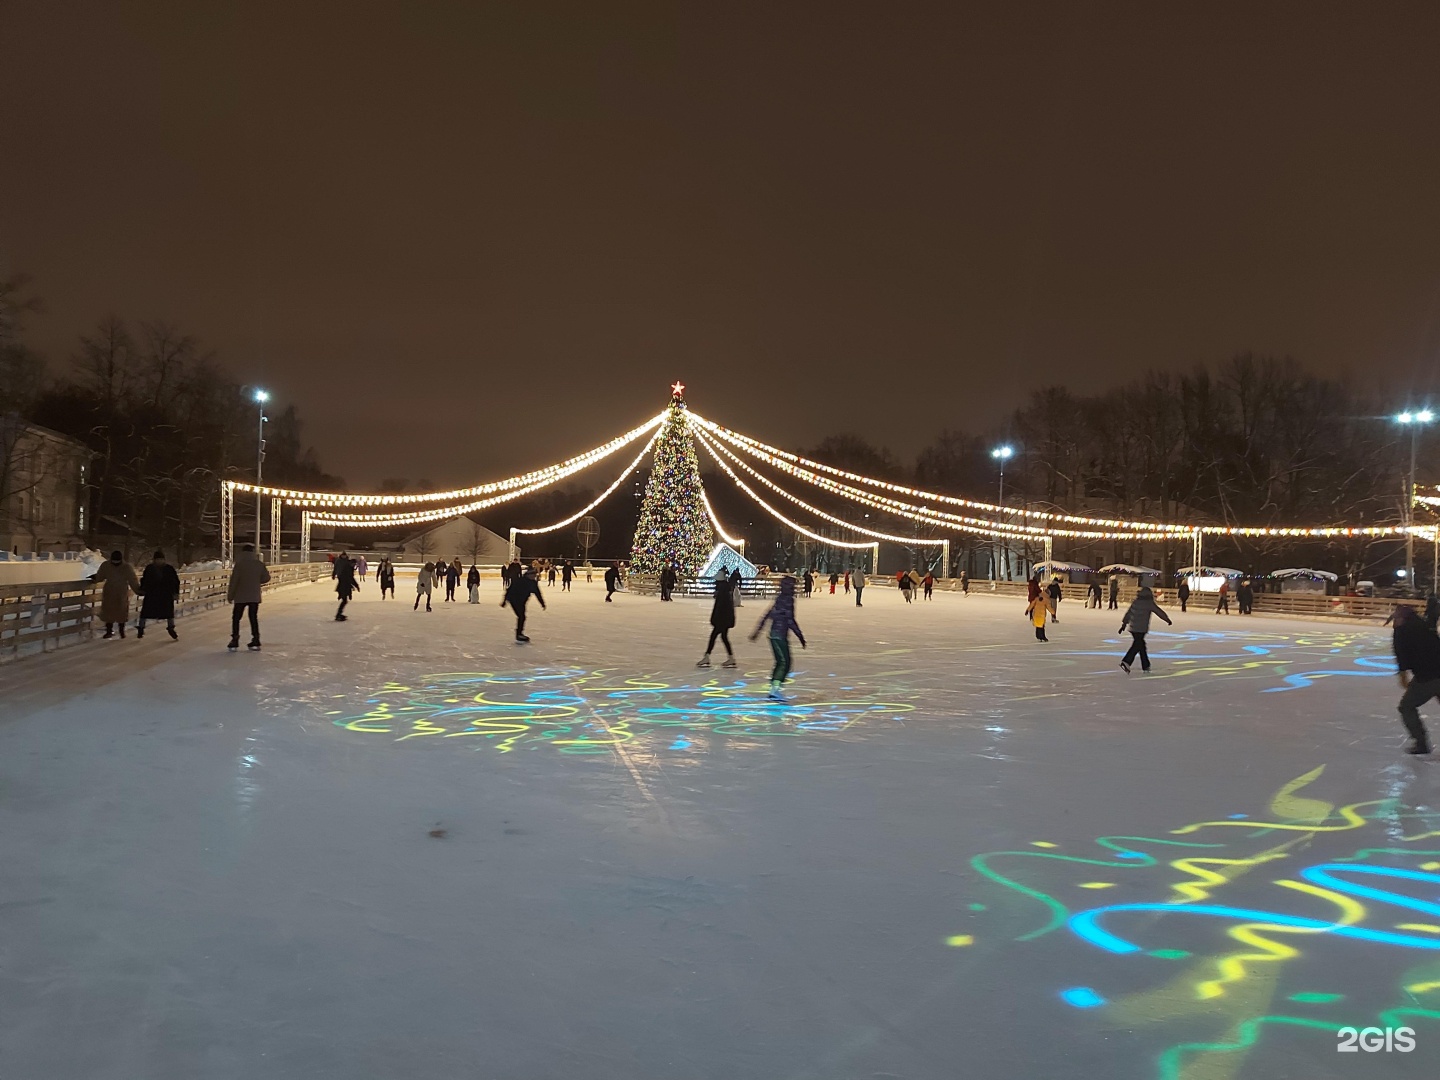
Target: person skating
<point>248,578</point>
<point>451,574</point>
<point>1223,603</point>
<point>1035,610</point>
<point>362,567</point>
<point>1417,657</point>
<point>1056,593</point>
<point>567,575</point>
<point>928,584</point>
<point>1245,594</point>
<point>345,583</point>
<point>1096,599</point>
<point>857,578</point>
<point>807,581</point>
<point>1137,620</point>
<point>117,581</point>
<point>736,588</point>
<point>472,582</point>
<point>722,618</point>
<point>847,582</point>
<point>612,577</point>
<point>159,589</point>
<point>424,584</point>
<point>668,577</point>
<point>518,595</point>
<point>1114,593</point>
<point>385,574</point>
<point>781,618</point>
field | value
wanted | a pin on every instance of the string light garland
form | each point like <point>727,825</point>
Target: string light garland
<point>771,510</point>
<point>1147,528</point>
<point>548,475</point>
<point>602,497</point>
<point>982,526</point>
<point>733,541</point>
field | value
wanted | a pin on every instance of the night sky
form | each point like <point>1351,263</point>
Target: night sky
<point>466,240</point>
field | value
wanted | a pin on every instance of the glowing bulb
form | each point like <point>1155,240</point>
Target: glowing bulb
<point>262,396</point>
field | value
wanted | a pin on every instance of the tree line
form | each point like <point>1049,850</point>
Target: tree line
<point>165,420</point>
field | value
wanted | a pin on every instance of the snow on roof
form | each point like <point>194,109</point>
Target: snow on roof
<point>1216,570</point>
<point>1126,568</point>
<point>1304,571</point>
<point>1057,564</point>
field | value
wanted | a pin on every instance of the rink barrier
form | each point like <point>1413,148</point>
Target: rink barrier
<point>750,588</point>
<point>45,616</point>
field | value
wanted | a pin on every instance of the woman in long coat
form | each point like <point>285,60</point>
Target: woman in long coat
<point>118,581</point>
<point>722,618</point>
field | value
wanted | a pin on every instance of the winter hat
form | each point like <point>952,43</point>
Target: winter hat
<point>158,554</point>
<point>115,556</point>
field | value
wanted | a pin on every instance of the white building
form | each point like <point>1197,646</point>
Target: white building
<point>462,536</point>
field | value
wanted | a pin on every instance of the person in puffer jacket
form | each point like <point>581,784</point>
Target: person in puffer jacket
<point>1137,620</point>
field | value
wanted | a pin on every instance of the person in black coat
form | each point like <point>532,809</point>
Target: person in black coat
<point>386,574</point>
<point>722,618</point>
<point>1245,594</point>
<point>736,580</point>
<point>159,588</point>
<point>518,595</point>
<point>567,575</point>
<point>1417,656</point>
<point>1183,593</point>
<point>668,578</point>
<point>343,573</point>
<point>472,582</point>
<point>612,579</point>
<point>1056,594</point>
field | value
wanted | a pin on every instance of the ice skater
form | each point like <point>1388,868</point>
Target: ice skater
<point>965,583</point>
<point>781,618</point>
<point>808,581</point>
<point>612,579</point>
<point>117,580</point>
<point>472,582</point>
<point>550,575</point>
<point>1095,599</point>
<point>1114,593</point>
<point>567,575</point>
<point>1057,593</point>
<point>1245,594</point>
<point>1417,657</point>
<point>722,618</point>
<point>159,589</point>
<point>452,578</point>
<point>1183,594</point>
<point>518,595</point>
<point>857,578</point>
<point>1137,620</point>
<point>385,574</point>
<point>736,590</point>
<point>1223,603</point>
<point>668,578</point>
<point>847,582</point>
<point>1036,610</point>
<point>906,585</point>
<point>345,584</point>
<point>362,567</point>
<point>248,578</point>
<point>424,583</point>
<point>928,584</point>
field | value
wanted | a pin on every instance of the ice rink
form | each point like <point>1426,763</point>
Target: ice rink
<point>407,847</point>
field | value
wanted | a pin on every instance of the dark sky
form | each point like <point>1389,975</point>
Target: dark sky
<point>467,240</point>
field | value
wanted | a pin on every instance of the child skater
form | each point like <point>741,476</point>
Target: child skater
<point>781,617</point>
<point>722,618</point>
<point>1035,611</point>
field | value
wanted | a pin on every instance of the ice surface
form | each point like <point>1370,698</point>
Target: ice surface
<point>220,866</point>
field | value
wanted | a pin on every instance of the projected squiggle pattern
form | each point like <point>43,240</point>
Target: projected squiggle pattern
<point>575,711</point>
<point>1305,927</point>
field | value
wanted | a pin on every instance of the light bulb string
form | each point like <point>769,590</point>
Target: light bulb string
<point>603,495</point>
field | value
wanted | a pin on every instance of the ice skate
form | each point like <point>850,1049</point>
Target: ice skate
<point>521,637</point>
<point>730,663</point>
<point>253,645</point>
<point>343,618</point>
<point>1414,746</point>
<point>140,632</point>
<point>776,695</point>
<point>704,661</point>
<point>173,635</point>
<point>234,643</point>
<point>1125,667</point>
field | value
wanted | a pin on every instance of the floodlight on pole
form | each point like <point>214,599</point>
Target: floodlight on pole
<point>1001,454</point>
<point>261,397</point>
<point>1414,419</point>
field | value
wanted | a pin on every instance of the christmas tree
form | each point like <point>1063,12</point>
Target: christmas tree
<point>673,526</point>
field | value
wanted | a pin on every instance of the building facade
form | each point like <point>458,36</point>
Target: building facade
<point>44,484</point>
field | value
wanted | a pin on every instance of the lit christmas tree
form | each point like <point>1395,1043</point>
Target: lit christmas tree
<point>673,525</point>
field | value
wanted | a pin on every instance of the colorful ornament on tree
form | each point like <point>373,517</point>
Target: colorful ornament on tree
<point>673,527</point>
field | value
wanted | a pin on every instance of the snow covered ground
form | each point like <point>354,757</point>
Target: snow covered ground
<point>407,847</point>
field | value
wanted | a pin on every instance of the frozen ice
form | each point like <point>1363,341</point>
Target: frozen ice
<point>406,846</point>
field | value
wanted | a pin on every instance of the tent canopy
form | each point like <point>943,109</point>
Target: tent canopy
<point>1072,567</point>
<point>1126,568</point>
<point>1205,570</point>
<point>1305,571</point>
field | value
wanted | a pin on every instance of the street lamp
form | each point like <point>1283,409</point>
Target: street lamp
<point>1414,420</point>
<point>261,397</point>
<point>1001,454</point>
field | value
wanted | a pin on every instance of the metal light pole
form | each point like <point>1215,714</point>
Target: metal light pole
<point>261,397</point>
<point>1414,421</point>
<point>1001,454</point>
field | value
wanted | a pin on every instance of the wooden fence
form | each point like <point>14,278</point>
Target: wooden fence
<point>51,615</point>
